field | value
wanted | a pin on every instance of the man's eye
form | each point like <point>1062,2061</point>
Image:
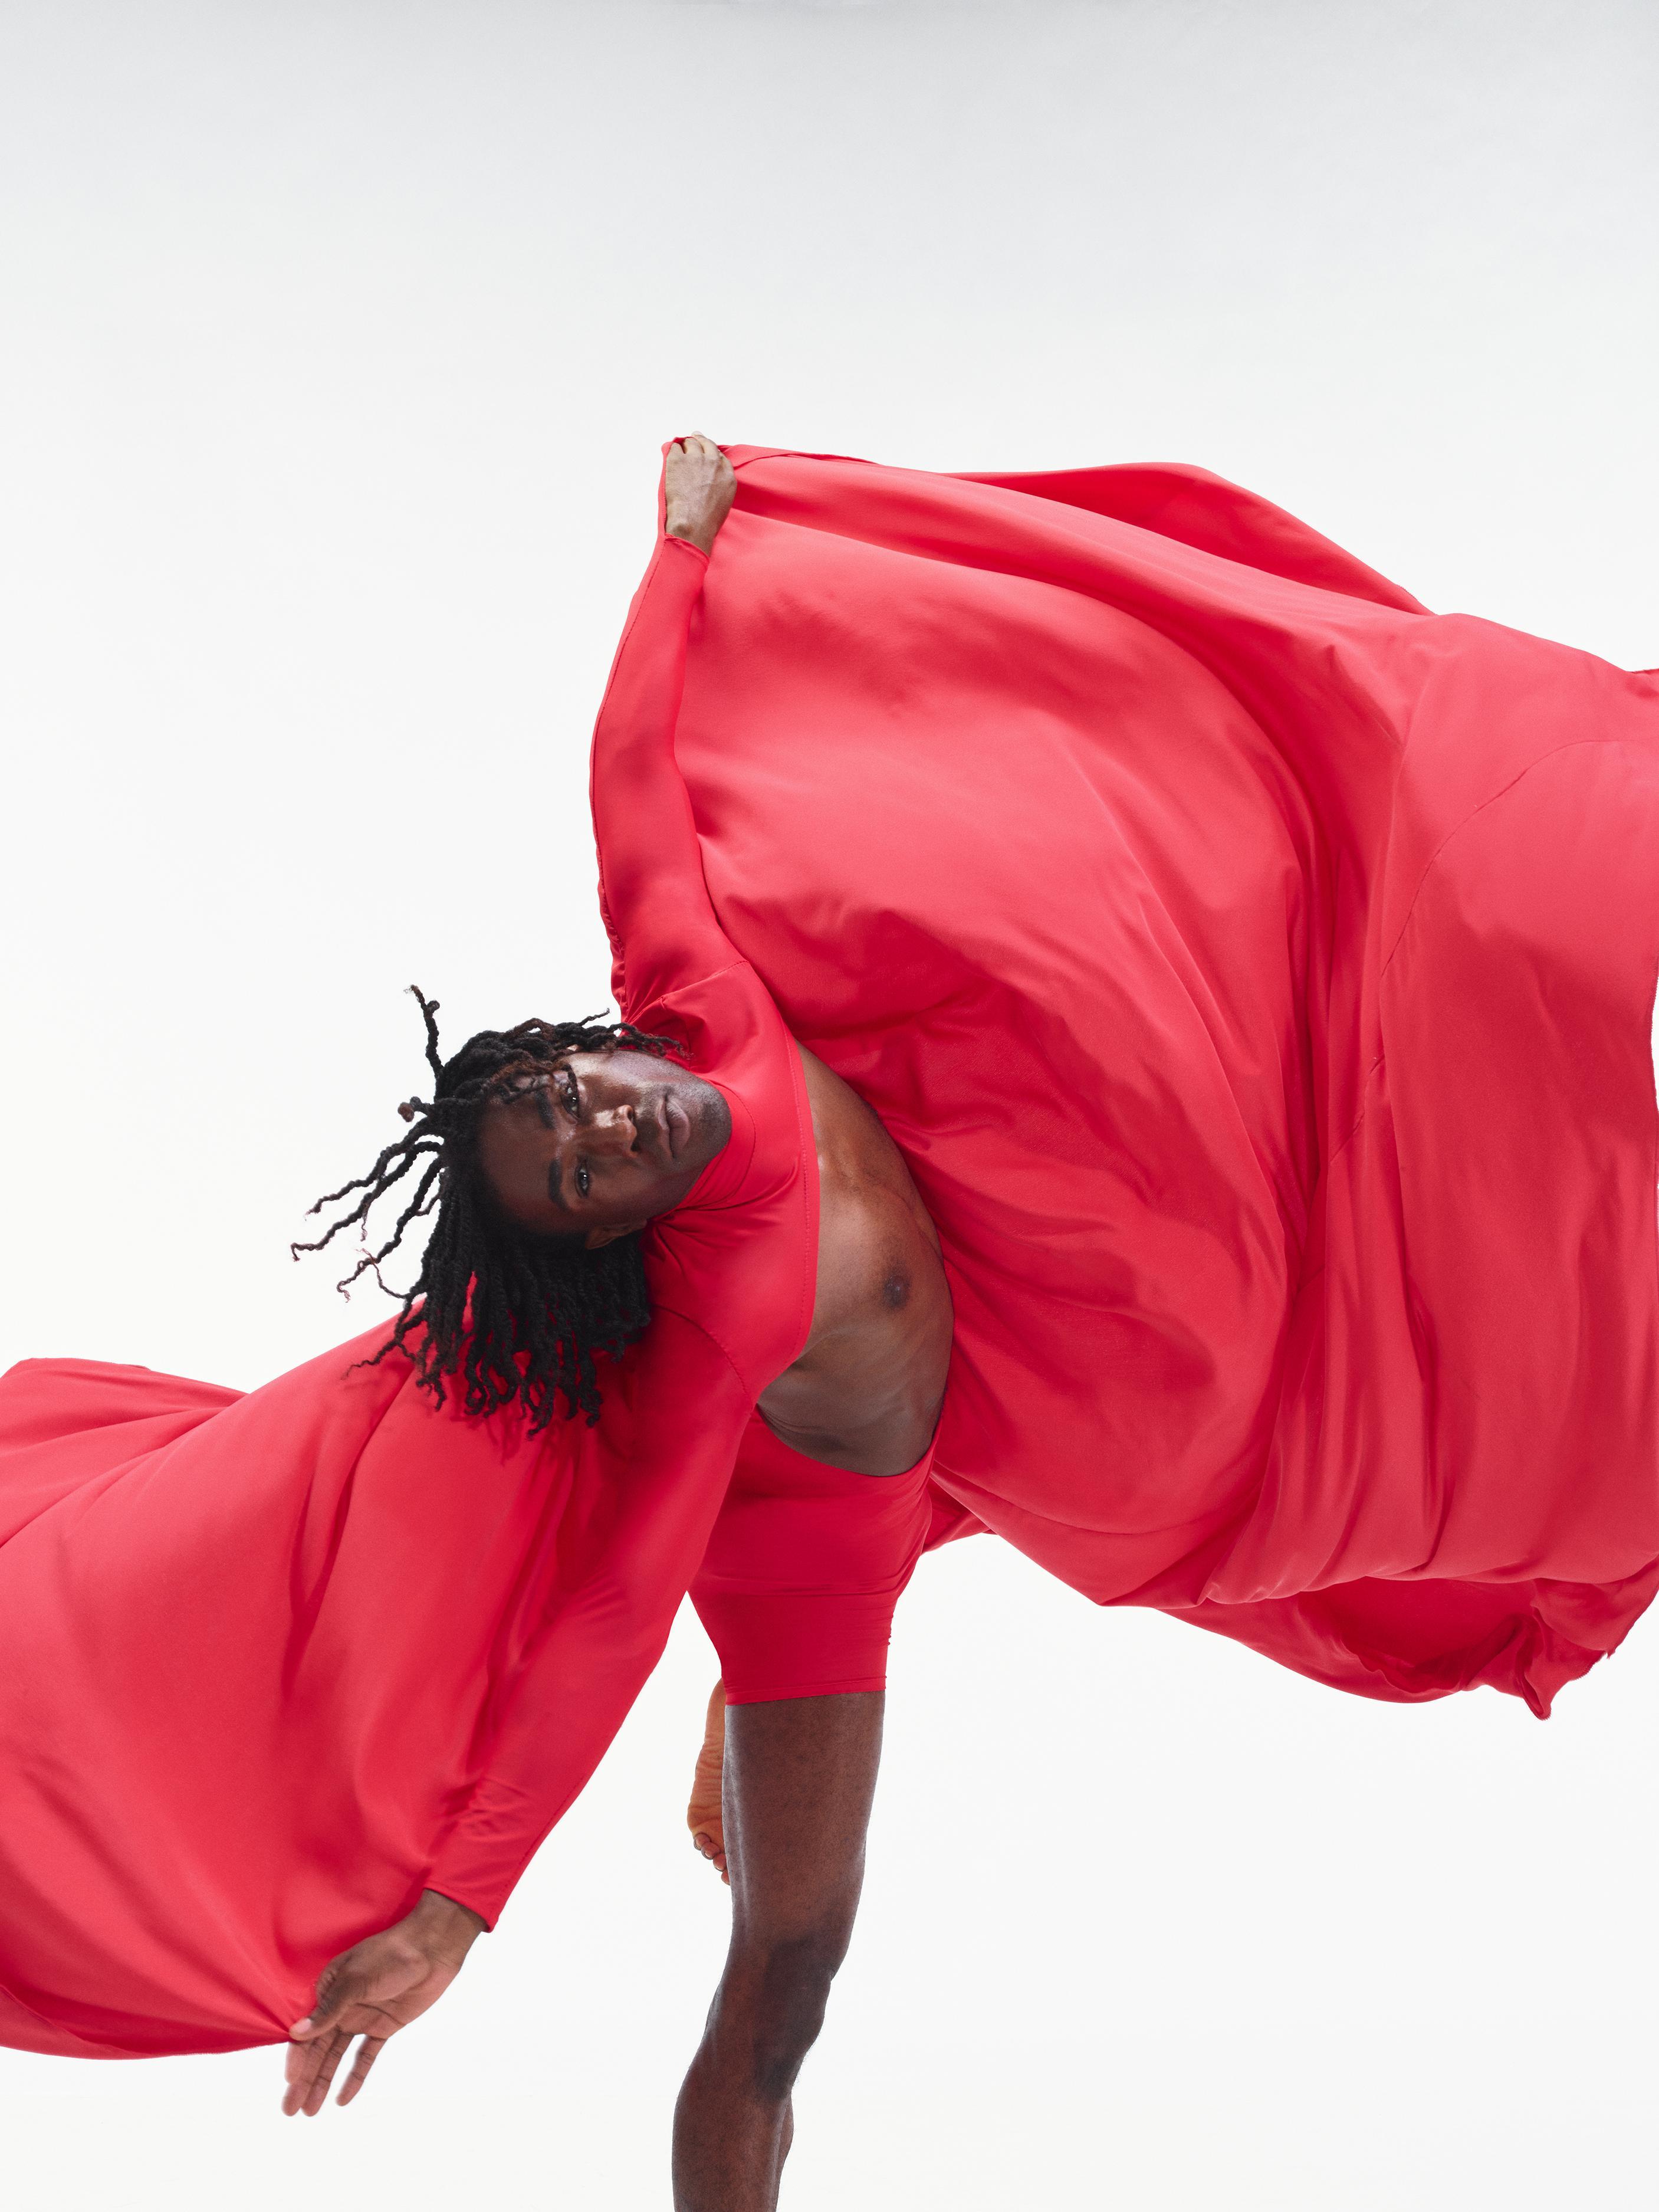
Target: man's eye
<point>573,1098</point>
<point>583,1179</point>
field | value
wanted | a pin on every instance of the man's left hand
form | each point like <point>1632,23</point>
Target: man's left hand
<point>373,1989</point>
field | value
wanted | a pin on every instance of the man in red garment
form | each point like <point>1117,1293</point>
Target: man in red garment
<point>1306,970</point>
<point>587,1153</point>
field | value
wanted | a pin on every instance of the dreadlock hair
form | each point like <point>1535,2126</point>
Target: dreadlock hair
<point>513,1316</point>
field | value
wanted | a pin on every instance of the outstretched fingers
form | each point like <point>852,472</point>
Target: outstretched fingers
<point>319,2042</point>
<point>310,2069</point>
<point>313,2064</point>
<point>367,2051</point>
<point>377,1987</point>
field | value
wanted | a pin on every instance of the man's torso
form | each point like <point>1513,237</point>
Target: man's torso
<point>865,1395</point>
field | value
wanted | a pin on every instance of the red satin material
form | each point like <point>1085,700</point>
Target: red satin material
<point>272,1664</point>
<point>1256,972</point>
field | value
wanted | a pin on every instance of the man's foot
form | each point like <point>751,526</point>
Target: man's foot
<point>698,490</point>
<point>702,1815</point>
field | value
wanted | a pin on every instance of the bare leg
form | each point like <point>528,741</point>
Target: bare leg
<point>800,1774</point>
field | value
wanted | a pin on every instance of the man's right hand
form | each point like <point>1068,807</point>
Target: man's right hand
<point>373,1989</point>
<point>699,487</point>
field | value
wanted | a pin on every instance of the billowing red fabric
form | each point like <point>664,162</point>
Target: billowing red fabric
<point>1256,972</point>
<point>270,1664</point>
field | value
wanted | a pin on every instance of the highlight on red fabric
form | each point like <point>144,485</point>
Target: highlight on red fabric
<point>1256,972</point>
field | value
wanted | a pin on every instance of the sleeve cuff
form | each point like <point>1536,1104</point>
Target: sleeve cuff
<point>673,537</point>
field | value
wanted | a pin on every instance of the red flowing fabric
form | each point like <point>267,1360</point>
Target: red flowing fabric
<point>1256,972</point>
<point>273,1663</point>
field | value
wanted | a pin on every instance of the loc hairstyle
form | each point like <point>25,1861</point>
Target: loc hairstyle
<point>511,1316</point>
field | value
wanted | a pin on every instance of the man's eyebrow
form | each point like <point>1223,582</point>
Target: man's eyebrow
<point>549,1120</point>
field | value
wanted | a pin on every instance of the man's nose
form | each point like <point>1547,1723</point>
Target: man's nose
<point>608,1131</point>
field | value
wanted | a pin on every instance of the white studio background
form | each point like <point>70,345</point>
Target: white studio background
<point>339,339</point>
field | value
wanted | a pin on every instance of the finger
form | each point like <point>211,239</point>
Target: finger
<point>301,2069</point>
<point>296,2073</point>
<point>337,1993</point>
<point>328,2065</point>
<point>367,2051</point>
<point>325,2001</point>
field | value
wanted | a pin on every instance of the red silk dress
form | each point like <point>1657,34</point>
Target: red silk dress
<point>1256,972</point>
<point>273,1663</point>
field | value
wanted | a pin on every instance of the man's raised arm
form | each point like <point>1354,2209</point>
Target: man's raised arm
<point>662,926</point>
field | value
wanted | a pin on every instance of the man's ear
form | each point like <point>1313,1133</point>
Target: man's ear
<point>596,1239</point>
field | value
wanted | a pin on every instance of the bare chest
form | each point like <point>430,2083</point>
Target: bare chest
<point>865,1391</point>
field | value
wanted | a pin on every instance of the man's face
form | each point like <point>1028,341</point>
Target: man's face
<point>599,1143</point>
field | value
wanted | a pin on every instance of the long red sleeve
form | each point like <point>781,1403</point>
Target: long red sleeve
<point>731,1274</point>
<point>663,932</point>
<point>1256,975</point>
<point>276,1662</point>
<point>629,1541</point>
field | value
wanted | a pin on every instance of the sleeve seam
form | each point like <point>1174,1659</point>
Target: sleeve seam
<point>663,1306</point>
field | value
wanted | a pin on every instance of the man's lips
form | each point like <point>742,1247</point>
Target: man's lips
<point>676,1125</point>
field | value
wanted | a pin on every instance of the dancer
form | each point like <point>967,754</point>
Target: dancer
<point>1254,974</point>
<point>805,1561</point>
<point>356,1640</point>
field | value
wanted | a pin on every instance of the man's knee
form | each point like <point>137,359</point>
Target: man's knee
<point>778,1993</point>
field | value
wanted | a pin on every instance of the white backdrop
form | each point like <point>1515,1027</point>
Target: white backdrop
<point>340,338</point>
